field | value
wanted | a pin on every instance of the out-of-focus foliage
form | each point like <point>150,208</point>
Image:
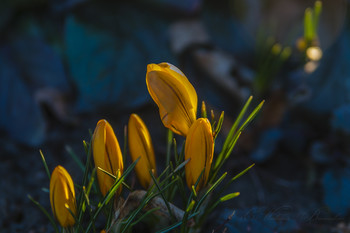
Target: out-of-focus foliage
<point>88,54</point>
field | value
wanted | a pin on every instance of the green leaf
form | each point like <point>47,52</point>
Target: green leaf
<point>233,179</point>
<point>229,196</point>
<point>230,135</point>
<point>181,165</point>
<point>172,227</point>
<point>190,206</point>
<point>242,173</point>
<point>251,116</point>
<point>219,125</point>
<point>45,164</point>
<point>209,191</point>
<point>143,216</point>
<point>45,213</point>
<point>108,173</point>
<point>226,152</point>
<point>148,197</point>
<point>75,157</point>
<point>308,25</point>
<point>111,193</point>
<point>162,195</point>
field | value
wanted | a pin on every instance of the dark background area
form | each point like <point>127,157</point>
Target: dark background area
<point>65,64</point>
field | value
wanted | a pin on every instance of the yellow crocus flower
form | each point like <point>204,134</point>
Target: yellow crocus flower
<point>199,147</point>
<point>107,155</point>
<point>140,145</point>
<point>62,196</point>
<point>174,95</point>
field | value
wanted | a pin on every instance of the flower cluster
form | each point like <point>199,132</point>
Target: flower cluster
<point>177,101</point>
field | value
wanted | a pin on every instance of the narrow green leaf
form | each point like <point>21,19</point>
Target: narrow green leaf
<point>86,146</point>
<point>233,179</point>
<point>172,227</point>
<point>45,213</point>
<point>169,144</point>
<point>110,216</point>
<point>149,196</point>
<point>194,191</point>
<point>45,164</point>
<point>164,172</point>
<point>231,133</point>
<point>176,155</point>
<point>75,157</point>
<point>127,186</point>
<point>211,207</point>
<point>190,206</point>
<point>71,213</point>
<point>226,155</point>
<point>209,191</point>
<point>182,154</point>
<point>114,189</point>
<point>162,195</point>
<point>242,173</point>
<point>219,125</point>
<point>108,173</point>
<point>308,25</point>
<point>181,187</point>
<point>181,165</point>
<point>81,199</point>
<point>229,196</point>
<point>91,181</point>
<point>251,116</point>
<point>46,190</point>
<point>111,193</point>
<point>169,184</point>
<point>232,145</point>
<point>143,216</point>
<point>237,121</point>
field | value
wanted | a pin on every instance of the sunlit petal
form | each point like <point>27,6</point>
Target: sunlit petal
<point>199,148</point>
<point>107,155</point>
<point>174,95</point>
<point>140,145</point>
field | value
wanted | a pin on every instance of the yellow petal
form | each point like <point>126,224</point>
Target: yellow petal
<point>62,195</point>
<point>174,95</point>
<point>107,155</point>
<point>199,147</point>
<point>140,145</point>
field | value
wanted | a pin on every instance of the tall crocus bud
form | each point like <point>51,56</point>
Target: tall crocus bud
<point>140,145</point>
<point>62,197</point>
<point>107,155</point>
<point>174,95</point>
<point>199,148</point>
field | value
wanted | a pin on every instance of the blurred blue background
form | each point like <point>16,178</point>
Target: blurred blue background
<point>64,64</point>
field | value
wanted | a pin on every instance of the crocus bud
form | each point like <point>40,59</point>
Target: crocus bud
<point>62,196</point>
<point>199,148</point>
<point>107,155</point>
<point>140,145</point>
<point>174,95</point>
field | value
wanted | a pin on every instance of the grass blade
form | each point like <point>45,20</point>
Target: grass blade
<point>45,213</point>
<point>45,164</point>
<point>75,157</point>
<point>209,191</point>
